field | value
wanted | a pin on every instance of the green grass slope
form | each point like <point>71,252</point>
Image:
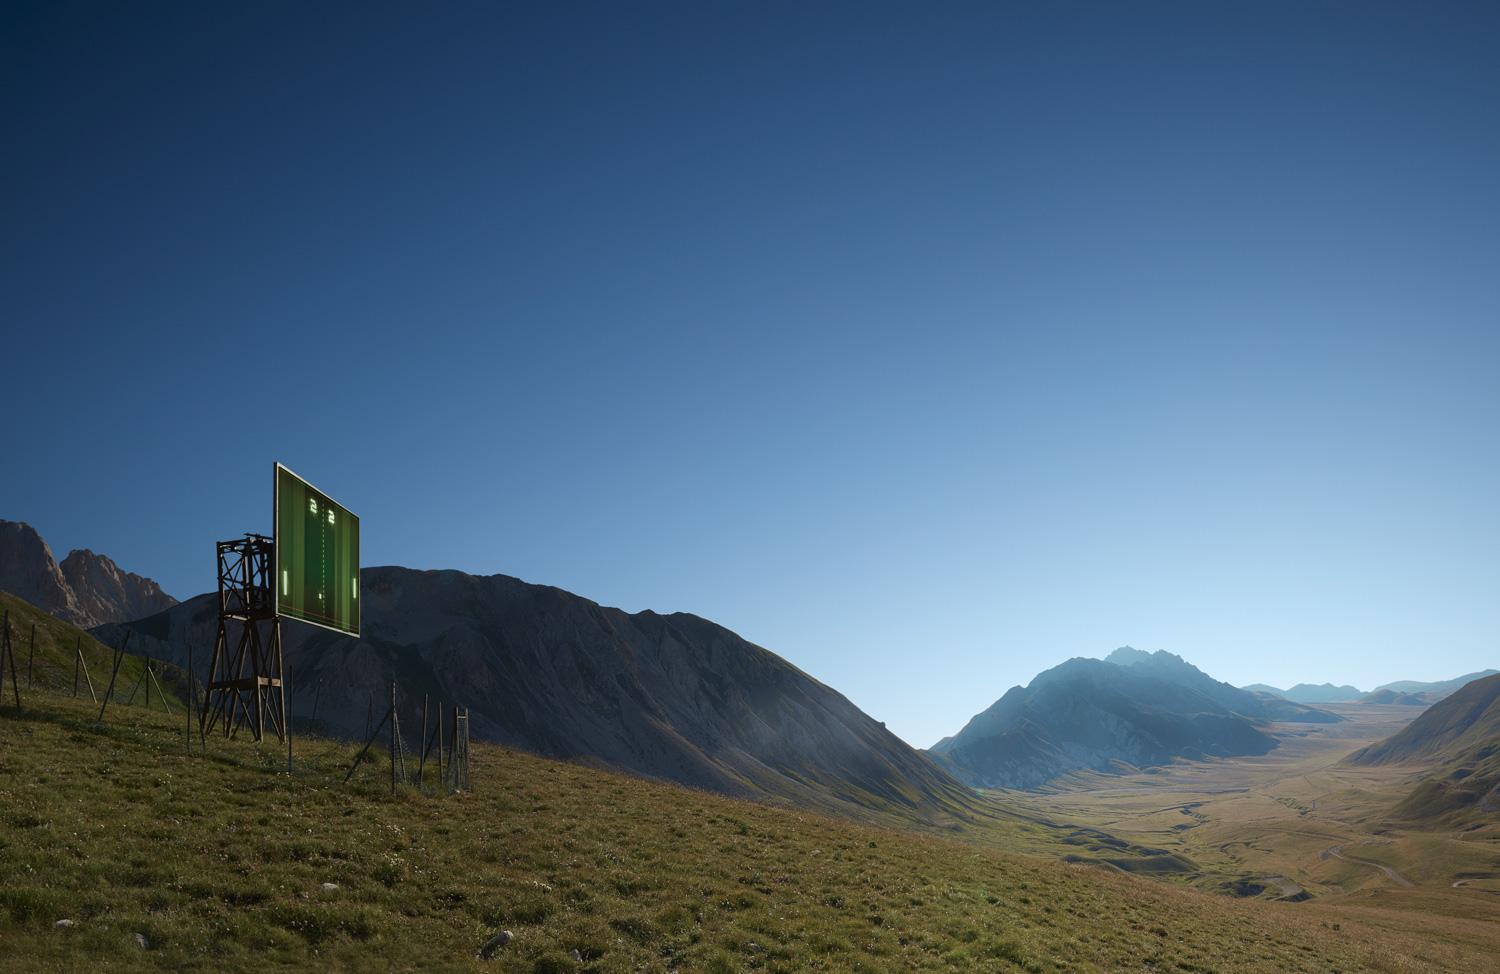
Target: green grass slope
<point>1457,794</point>
<point>219,862</point>
<point>52,661</point>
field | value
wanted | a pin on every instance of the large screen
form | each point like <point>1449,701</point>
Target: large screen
<point>317,556</point>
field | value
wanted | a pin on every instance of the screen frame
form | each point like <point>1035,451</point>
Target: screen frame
<point>359,622</point>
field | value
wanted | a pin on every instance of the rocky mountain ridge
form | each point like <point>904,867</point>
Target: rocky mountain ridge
<point>86,589</point>
<point>1322,693</point>
<point>1131,710</point>
<point>1405,692</point>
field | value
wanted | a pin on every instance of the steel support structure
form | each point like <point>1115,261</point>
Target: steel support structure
<point>245,686</point>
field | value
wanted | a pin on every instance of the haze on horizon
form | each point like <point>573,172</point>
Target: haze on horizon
<point>927,348</point>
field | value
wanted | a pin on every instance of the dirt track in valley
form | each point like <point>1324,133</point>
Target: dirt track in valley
<point>1337,853</point>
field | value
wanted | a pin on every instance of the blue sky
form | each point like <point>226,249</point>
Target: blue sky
<point>925,344</point>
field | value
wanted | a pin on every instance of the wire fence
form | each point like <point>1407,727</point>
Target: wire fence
<point>452,769</point>
<point>432,758</point>
<point>43,657</point>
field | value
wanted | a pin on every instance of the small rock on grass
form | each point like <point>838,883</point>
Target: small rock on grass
<point>330,887</point>
<point>495,943</point>
<point>63,924</point>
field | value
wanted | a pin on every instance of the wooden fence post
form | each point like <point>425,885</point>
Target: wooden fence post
<point>189,707</point>
<point>136,686</point>
<point>422,753</point>
<point>287,714</point>
<point>400,744</point>
<point>453,749</point>
<point>466,749</point>
<point>362,751</point>
<point>4,645</point>
<point>81,662</point>
<point>10,651</point>
<point>159,692</point>
<point>119,657</point>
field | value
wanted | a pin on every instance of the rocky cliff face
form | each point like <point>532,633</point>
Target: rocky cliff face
<point>1168,667</point>
<point>28,570</point>
<point>87,589</point>
<point>104,592</point>
<point>667,696</point>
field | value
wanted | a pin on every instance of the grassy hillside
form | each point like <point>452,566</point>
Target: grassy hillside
<point>1457,793</point>
<point>674,697</point>
<point>1458,741</point>
<point>1467,721</point>
<point>219,862</point>
<point>52,664</point>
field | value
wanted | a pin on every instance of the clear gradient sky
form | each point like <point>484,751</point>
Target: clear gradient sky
<point>925,344</point>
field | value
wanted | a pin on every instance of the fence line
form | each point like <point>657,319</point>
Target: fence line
<point>440,743</point>
<point>456,777</point>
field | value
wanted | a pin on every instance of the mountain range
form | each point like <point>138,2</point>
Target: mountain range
<point>1409,692</point>
<point>86,589</point>
<point>1311,692</point>
<point>1387,697</point>
<point>680,698</point>
<point>1130,710</point>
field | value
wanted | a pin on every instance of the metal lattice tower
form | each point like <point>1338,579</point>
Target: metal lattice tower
<point>245,685</point>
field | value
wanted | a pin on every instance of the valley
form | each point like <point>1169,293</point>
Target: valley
<point>1297,824</point>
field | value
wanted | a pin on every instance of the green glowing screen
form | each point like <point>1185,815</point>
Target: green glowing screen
<point>317,556</point>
